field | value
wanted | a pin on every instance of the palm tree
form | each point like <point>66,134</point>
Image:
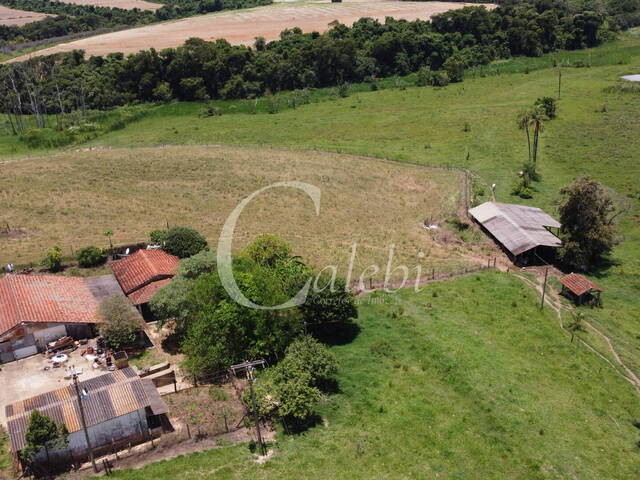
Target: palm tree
<point>109,234</point>
<point>523,120</point>
<point>576,323</point>
<point>536,120</point>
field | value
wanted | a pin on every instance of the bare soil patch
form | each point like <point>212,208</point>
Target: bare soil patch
<point>14,17</point>
<point>242,27</point>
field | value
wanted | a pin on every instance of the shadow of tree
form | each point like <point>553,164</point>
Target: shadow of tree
<point>335,333</point>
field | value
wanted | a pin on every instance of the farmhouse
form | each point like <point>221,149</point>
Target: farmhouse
<point>523,232</point>
<point>580,288</point>
<point>142,274</point>
<point>120,409</point>
<point>37,309</point>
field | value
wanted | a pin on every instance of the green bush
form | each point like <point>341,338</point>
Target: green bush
<point>90,256</point>
<point>454,67</point>
<point>521,189</point>
<point>184,242</point>
<point>158,237</point>
<point>548,105</point>
<point>53,259</point>
<point>121,325</point>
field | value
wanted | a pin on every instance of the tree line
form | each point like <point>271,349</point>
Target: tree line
<point>201,70</point>
<point>71,19</point>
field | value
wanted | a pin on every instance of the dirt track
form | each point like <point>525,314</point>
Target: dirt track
<point>11,16</point>
<point>241,27</point>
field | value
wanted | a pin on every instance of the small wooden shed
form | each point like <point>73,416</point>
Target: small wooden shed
<point>580,288</point>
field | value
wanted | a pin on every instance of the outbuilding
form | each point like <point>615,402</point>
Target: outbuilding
<point>120,409</point>
<point>580,289</point>
<point>142,274</point>
<point>523,232</point>
<point>38,309</point>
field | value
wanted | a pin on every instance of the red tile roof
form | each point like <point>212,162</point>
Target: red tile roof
<point>146,293</point>
<point>45,298</point>
<point>143,267</point>
<point>579,284</point>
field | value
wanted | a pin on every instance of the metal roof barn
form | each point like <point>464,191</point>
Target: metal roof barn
<point>517,227</point>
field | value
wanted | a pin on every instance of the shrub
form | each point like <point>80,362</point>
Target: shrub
<point>184,242</point>
<point>521,188</point>
<point>439,79</point>
<point>90,257</point>
<point>454,67</point>
<point>53,259</point>
<point>121,325</point>
<point>548,106</point>
<point>162,92</point>
<point>158,237</point>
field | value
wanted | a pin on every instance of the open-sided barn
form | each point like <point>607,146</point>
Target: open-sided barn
<point>522,231</point>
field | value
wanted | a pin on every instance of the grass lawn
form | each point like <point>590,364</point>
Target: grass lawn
<point>467,379</point>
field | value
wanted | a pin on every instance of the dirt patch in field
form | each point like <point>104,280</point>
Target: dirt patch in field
<point>13,17</point>
<point>124,4</point>
<point>242,27</point>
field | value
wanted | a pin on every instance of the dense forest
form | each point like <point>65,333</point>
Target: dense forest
<point>72,18</point>
<point>439,50</point>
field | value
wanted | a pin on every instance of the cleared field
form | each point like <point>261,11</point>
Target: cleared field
<point>242,27</point>
<point>14,17</point>
<point>124,4</point>
<point>71,198</point>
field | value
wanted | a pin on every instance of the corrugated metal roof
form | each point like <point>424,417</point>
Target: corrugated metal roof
<point>578,284</point>
<point>45,298</point>
<point>143,267</point>
<point>518,227</point>
<point>109,396</point>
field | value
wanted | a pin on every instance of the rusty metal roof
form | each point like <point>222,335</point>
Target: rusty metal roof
<point>517,227</point>
<point>45,298</point>
<point>109,396</point>
<point>579,284</point>
<point>144,267</point>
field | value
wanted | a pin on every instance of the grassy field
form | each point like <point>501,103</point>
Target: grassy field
<point>466,379</point>
<point>72,198</point>
<point>469,382</point>
<point>596,133</point>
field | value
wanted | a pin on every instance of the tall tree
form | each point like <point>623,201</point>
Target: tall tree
<point>587,216</point>
<point>43,433</point>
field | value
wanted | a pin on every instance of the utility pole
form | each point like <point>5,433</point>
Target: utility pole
<point>544,287</point>
<point>256,415</point>
<point>559,80</point>
<point>74,376</point>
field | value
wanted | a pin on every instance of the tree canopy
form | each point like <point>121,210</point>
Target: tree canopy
<point>121,324</point>
<point>184,242</point>
<point>216,331</point>
<point>586,215</point>
<point>43,433</point>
